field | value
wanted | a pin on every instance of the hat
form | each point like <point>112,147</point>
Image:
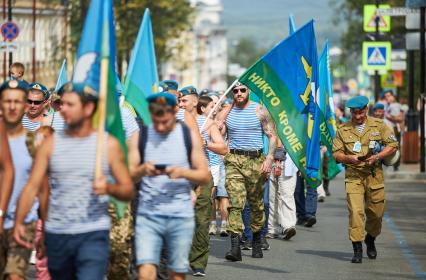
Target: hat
<point>188,90</point>
<point>379,106</point>
<point>167,85</point>
<point>40,87</point>
<point>162,98</point>
<point>79,88</point>
<point>392,159</point>
<point>205,92</point>
<point>14,84</point>
<point>357,102</point>
<point>238,84</point>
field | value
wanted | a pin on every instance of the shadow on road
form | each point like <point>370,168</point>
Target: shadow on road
<point>341,256</point>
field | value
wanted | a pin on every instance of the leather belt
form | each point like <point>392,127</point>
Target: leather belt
<point>257,153</point>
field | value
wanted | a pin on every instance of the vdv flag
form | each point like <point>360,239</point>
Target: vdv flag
<point>142,77</point>
<point>291,24</point>
<point>97,45</point>
<point>285,80</point>
<point>328,118</point>
<point>62,77</point>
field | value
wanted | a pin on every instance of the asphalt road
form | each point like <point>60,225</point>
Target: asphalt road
<point>324,251</point>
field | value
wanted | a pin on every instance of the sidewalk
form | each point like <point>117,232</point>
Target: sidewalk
<point>406,172</point>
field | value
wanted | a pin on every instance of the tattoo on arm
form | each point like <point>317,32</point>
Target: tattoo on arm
<point>269,129</point>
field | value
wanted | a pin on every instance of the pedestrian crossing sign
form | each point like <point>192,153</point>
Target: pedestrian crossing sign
<point>376,55</point>
<point>370,14</point>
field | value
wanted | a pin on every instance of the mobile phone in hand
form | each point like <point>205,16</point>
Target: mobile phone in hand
<point>362,158</point>
<point>160,167</point>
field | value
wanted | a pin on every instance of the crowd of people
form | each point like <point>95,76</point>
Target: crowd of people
<point>207,165</point>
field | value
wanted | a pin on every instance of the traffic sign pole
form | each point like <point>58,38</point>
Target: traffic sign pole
<point>422,89</point>
<point>376,72</point>
<point>9,17</point>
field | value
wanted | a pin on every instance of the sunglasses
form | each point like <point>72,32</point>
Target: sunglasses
<point>35,102</point>
<point>242,90</point>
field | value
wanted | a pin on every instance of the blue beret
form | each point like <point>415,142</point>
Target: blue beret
<point>162,98</point>
<point>357,102</point>
<point>379,106</point>
<point>40,87</point>
<point>15,84</point>
<point>79,88</point>
<point>188,90</point>
<point>167,85</point>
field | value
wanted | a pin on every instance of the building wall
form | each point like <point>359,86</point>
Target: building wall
<point>204,62</point>
<point>49,47</point>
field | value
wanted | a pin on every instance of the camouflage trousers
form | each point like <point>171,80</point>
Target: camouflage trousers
<point>244,180</point>
<point>14,258</point>
<point>200,248</point>
<point>121,234</point>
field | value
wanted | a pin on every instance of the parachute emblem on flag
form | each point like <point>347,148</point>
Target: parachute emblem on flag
<point>307,97</point>
<point>84,67</point>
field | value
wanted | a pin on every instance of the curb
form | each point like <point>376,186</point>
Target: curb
<point>408,176</point>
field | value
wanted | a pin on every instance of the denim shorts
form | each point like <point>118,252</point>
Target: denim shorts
<point>153,232</point>
<point>77,256</point>
<point>218,174</point>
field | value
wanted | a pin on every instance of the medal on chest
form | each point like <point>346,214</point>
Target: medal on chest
<point>357,147</point>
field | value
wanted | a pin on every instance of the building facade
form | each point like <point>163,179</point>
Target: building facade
<point>50,32</point>
<point>202,61</point>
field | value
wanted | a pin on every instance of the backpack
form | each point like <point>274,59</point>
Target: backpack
<point>143,137</point>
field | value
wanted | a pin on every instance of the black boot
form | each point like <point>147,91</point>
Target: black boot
<point>235,253</point>
<point>371,248</point>
<point>357,258</point>
<point>257,246</point>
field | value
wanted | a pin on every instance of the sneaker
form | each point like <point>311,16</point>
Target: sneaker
<point>199,272</point>
<point>33,257</point>
<point>310,221</point>
<point>289,233</point>
<point>245,244</point>
<point>264,243</point>
<point>270,235</point>
<point>212,229</point>
<point>321,198</point>
<point>223,229</point>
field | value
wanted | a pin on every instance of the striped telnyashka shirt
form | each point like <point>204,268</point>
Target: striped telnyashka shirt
<point>30,125</point>
<point>244,129</point>
<point>160,195</point>
<point>73,206</point>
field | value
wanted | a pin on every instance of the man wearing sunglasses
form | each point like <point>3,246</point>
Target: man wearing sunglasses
<point>246,167</point>
<point>36,105</point>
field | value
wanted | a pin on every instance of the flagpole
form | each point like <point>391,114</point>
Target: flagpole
<point>102,115</point>
<point>218,103</point>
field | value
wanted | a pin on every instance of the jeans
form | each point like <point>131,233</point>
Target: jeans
<point>152,232</point>
<point>246,215</point>
<point>306,205</point>
<point>77,256</point>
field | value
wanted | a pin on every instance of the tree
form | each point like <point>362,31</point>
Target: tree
<point>169,19</point>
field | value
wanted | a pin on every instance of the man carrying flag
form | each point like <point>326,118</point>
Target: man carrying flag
<point>246,167</point>
<point>78,224</point>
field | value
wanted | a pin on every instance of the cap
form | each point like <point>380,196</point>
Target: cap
<point>167,85</point>
<point>238,84</point>
<point>162,98</point>
<point>40,87</point>
<point>357,102</point>
<point>205,92</point>
<point>79,88</point>
<point>392,159</point>
<point>379,106</point>
<point>189,90</point>
<point>15,84</point>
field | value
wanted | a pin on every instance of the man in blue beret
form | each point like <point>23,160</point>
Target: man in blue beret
<point>77,222</point>
<point>170,86</point>
<point>36,106</point>
<point>170,160</point>
<point>353,146</point>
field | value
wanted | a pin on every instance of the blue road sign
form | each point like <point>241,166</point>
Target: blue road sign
<point>9,30</point>
<point>376,55</point>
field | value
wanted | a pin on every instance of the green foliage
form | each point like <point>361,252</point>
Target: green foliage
<point>246,52</point>
<point>169,18</point>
